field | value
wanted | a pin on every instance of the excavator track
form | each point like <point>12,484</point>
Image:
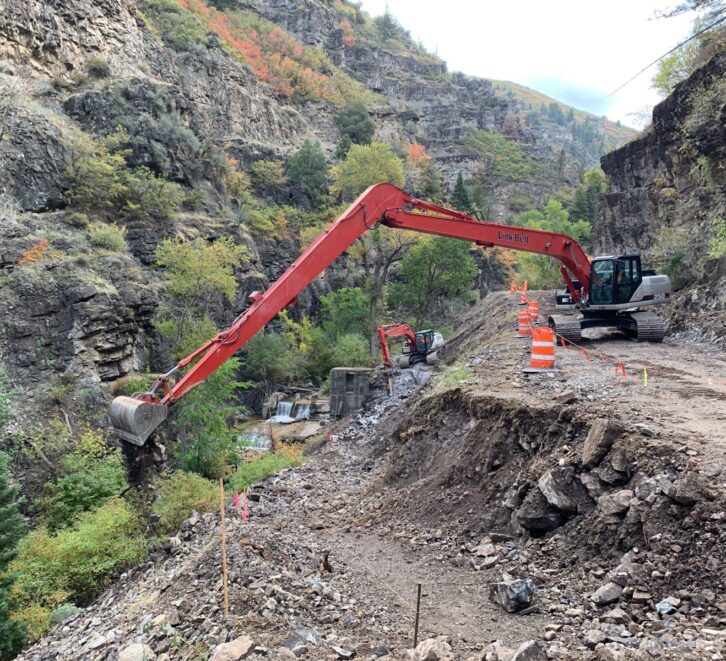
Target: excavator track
<point>649,327</point>
<point>566,326</point>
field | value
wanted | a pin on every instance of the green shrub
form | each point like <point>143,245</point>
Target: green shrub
<point>501,157</point>
<point>268,360</point>
<point>179,494</point>
<point>97,67</point>
<point>307,171</point>
<point>677,251</point>
<point>717,245</point>
<point>355,123</point>
<point>64,612</point>
<point>76,564</point>
<point>81,491</point>
<point>6,398</point>
<point>12,528</point>
<point>267,175</point>
<point>351,350</point>
<point>136,384</point>
<point>111,237</point>
<point>178,28</point>
<point>262,467</point>
<point>205,439</point>
<point>345,311</point>
<point>76,219</point>
<point>102,183</point>
<point>94,474</point>
<point>199,274</point>
<point>364,166</point>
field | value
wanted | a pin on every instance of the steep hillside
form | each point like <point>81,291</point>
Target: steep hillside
<point>201,95</point>
<point>666,198</point>
<point>600,502</point>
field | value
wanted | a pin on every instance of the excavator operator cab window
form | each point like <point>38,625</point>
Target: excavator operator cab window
<point>601,281</point>
<point>627,278</point>
<point>424,341</point>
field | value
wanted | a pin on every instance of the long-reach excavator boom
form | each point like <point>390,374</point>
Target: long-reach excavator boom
<point>136,417</point>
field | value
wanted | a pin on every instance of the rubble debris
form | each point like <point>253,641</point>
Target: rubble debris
<point>600,438</point>
<point>239,648</point>
<point>512,595</point>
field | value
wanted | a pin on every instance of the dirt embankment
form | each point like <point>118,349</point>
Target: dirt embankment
<point>605,497</point>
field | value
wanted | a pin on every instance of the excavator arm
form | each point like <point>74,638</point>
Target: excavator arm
<point>136,417</point>
<point>394,330</point>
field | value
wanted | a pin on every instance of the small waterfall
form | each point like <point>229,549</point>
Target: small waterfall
<point>303,412</point>
<point>284,409</point>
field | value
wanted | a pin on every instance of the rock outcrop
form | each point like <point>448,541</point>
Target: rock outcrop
<point>666,197</point>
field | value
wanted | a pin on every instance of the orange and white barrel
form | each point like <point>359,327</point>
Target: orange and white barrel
<point>543,351</point>
<point>534,311</point>
<point>524,325</point>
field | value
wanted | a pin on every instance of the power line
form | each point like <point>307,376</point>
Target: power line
<point>683,43</point>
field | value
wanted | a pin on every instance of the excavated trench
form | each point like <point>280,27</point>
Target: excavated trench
<point>481,466</point>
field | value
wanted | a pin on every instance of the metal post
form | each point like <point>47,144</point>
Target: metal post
<point>418,610</point>
<point>224,548</point>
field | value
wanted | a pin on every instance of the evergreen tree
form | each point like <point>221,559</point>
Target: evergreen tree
<point>354,121</point>
<point>307,170</point>
<point>12,527</point>
<point>343,147</point>
<point>387,26</point>
<point>460,197</point>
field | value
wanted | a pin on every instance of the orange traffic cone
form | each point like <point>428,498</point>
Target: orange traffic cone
<point>523,300</point>
<point>512,287</point>
<point>524,325</point>
<point>534,311</point>
<point>543,351</point>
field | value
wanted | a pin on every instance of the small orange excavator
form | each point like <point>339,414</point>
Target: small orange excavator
<point>418,347</point>
<point>609,291</point>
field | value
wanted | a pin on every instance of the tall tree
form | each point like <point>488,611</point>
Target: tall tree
<point>436,267</point>
<point>12,528</point>
<point>460,197</point>
<point>354,121</point>
<point>364,166</point>
<point>307,170</point>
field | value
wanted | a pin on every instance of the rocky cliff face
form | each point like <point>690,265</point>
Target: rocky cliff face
<point>666,197</point>
<point>74,71</point>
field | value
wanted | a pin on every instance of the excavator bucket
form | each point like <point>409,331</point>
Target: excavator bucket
<point>135,420</point>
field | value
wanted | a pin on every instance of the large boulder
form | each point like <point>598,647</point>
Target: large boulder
<point>537,515</point>
<point>563,490</point>
<point>512,595</point>
<point>239,648</point>
<point>600,439</point>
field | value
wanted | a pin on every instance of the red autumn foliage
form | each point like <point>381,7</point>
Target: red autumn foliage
<point>417,153</point>
<point>273,55</point>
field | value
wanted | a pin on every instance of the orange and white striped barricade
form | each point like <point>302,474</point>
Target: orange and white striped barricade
<point>543,351</point>
<point>524,324</point>
<point>534,311</point>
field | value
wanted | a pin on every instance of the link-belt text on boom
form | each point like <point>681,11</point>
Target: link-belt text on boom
<point>513,236</point>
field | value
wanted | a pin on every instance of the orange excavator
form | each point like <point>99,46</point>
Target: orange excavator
<point>610,291</point>
<point>418,347</point>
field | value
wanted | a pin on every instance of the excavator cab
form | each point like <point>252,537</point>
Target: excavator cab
<point>424,341</point>
<point>613,280</point>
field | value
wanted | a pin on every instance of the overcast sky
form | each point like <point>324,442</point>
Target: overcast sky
<point>577,51</point>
